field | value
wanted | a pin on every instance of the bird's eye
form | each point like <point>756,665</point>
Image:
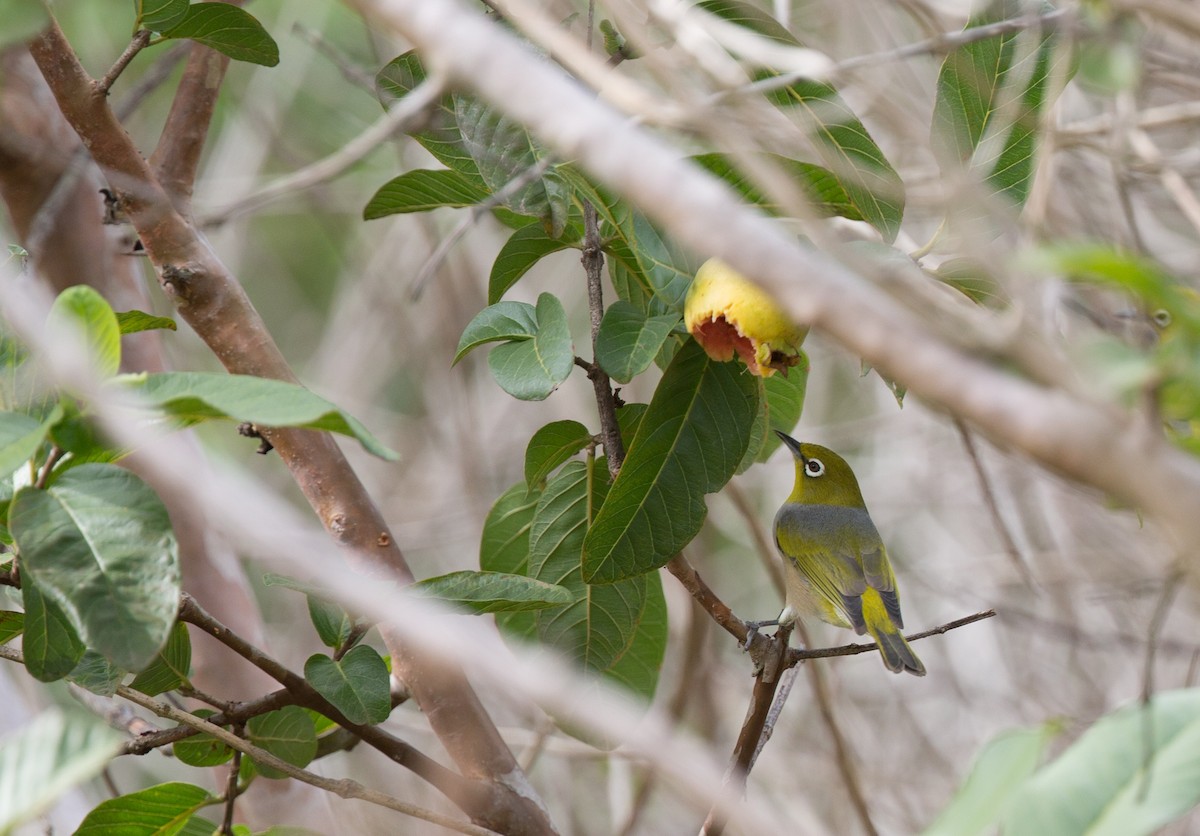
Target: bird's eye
<point>814,467</point>
<point>1161,317</point>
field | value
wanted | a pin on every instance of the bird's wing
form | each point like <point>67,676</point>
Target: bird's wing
<point>839,553</point>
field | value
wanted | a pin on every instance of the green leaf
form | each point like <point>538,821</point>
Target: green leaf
<point>83,309</point>
<point>1129,774</point>
<point>443,139</point>
<point>422,191</point>
<point>21,436</point>
<point>1006,761</point>
<point>229,30</point>
<point>827,196</point>
<point>977,85</point>
<point>48,757</point>
<point>200,826</point>
<point>628,340</point>
<point>552,445</point>
<point>202,749</point>
<point>493,592</point>
<point>161,15</point>
<point>12,624</point>
<point>524,248</point>
<point>156,811</point>
<point>357,685</point>
<point>130,322</point>
<point>629,418</point>
<point>96,674</point>
<point>784,403</point>
<point>531,369</point>
<point>689,443</point>
<point>51,645</point>
<point>503,151</point>
<point>201,396</point>
<point>99,543</point>
<point>842,142</point>
<point>504,547</point>
<point>332,623</point>
<point>170,667</point>
<point>288,734</point>
<point>501,321</point>
<point>617,630</point>
<point>22,20</point>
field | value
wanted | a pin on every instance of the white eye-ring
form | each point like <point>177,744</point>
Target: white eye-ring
<point>813,467</point>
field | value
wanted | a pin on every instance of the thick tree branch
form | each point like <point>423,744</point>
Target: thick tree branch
<point>217,308</point>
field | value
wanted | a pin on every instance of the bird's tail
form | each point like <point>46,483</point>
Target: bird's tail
<point>896,653</point>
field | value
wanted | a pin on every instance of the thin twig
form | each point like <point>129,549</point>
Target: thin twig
<point>989,499</point>
<point>1157,620</point>
<point>796,656</point>
<point>231,784</point>
<point>56,454</point>
<point>140,39</point>
<point>409,109</point>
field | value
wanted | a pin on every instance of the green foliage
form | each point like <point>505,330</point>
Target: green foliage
<point>46,758</point>
<point>552,446</point>
<point>628,340</point>
<point>525,248</point>
<point>155,811</point>
<point>99,544</point>
<point>21,436</point>
<point>193,397</point>
<point>535,355</point>
<point>421,191</point>
<point>131,322</point>
<point>12,624</point>
<point>288,734</point>
<point>983,81</point>
<point>504,546</point>
<point>826,194</point>
<point>333,624</point>
<point>171,665</point>
<point>1004,764</point>
<point>51,645</point>
<point>160,15</point>
<point>229,30</point>
<point>690,442</point>
<point>96,674</point>
<point>493,592</point>
<point>356,684</point>
<point>783,403</point>
<point>202,749</point>
<point>84,311</point>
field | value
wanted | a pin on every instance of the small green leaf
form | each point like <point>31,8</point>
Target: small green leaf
<point>83,309</point>
<point>12,624</point>
<point>22,20</point>
<point>629,340</point>
<point>689,443</point>
<point>493,592</point>
<point>977,85</point>
<point>827,195</point>
<point>357,685</point>
<point>155,811</point>
<point>51,645</point>
<point>524,248</point>
<point>1129,774</point>
<point>288,734</point>
<point>552,445</point>
<point>442,139</point>
<point>1002,766</point>
<point>170,667</point>
<point>421,191</point>
<point>503,150</point>
<point>96,674</point>
<point>161,15</point>
<point>48,757</point>
<point>132,322</point>
<point>202,749</point>
<point>332,623</point>
<point>501,321</point>
<point>531,369</point>
<point>98,542</point>
<point>200,396</point>
<point>229,30</point>
<point>21,436</point>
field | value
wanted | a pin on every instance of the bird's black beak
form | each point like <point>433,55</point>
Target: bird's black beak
<point>792,444</point>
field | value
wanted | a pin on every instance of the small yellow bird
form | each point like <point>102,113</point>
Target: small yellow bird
<point>836,564</point>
